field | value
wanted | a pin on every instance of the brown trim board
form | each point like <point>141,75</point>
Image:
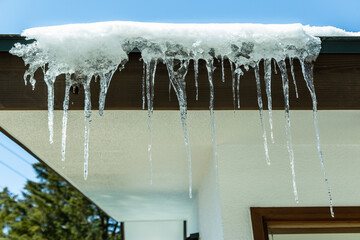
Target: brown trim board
<point>302,220</point>
<point>336,77</point>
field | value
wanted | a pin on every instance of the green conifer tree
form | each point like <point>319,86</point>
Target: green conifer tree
<point>51,209</point>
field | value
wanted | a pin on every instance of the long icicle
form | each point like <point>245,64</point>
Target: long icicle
<point>233,83</point>
<point>285,83</point>
<point>50,80</point>
<point>239,74</point>
<point>307,70</point>
<point>196,72</point>
<point>210,69</point>
<point>261,110</point>
<point>222,69</point>
<point>143,85</point>
<point>177,79</point>
<point>150,82</point>
<point>267,78</point>
<point>169,91</point>
<point>87,119</point>
<point>68,83</point>
<point>293,76</point>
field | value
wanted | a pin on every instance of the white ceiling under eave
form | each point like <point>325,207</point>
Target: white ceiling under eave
<point>119,172</point>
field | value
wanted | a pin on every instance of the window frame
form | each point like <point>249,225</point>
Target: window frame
<point>302,220</point>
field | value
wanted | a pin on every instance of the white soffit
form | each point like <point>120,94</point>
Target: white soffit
<point>119,172</point>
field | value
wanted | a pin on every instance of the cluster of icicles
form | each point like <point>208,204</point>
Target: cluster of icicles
<point>241,56</point>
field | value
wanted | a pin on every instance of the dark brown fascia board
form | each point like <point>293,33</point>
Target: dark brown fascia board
<point>336,77</point>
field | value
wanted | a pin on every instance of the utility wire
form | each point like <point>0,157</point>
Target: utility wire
<point>14,170</point>
<point>20,157</point>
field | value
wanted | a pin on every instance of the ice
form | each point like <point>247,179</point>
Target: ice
<point>267,78</point>
<point>196,72</point>
<point>177,78</point>
<point>274,62</point>
<point>285,84</point>
<point>68,84</point>
<point>235,74</point>
<point>261,109</point>
<point>293,76</point>
<point>150,83</point>
<point>307,70</point>
<point>86,80</point>
<point>222,69</point>
<point>97,50</point>
<point>238,89</point>
<point>233,83</point>
<point>104,85</point>
<point>50,80</point>
<point>210,69</point>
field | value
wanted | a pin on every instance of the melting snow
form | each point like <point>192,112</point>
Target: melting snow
<point>95,51</point>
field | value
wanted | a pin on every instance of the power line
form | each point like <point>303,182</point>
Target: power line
<point>14,170</point>
<point>20,157</point>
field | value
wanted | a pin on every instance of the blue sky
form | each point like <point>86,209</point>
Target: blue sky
<point>17,15</point>
<point>15,165</point>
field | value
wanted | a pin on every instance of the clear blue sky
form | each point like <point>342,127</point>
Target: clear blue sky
<point>15,165</point>
<point>17,15</point>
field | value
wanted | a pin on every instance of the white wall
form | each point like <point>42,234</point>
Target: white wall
<point>210,221</point>
<point>154,230</point>
<point>246,180</point>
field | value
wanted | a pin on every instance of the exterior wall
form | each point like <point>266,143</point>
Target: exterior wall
<point>210,221</point>
<point>154,230</point>
<point>247,181</point>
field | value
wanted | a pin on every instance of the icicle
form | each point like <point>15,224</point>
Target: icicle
<point>169,91</point>
<point>68,84</point>
<point>238,89</point>
<point>87,118</point>
<point>260,103</point>
<point>222,69</point>
<point>177,79</point>
<point>233,83</point>
<point>196,71</point>
<point>143,86</point>
<point>104,86</point>
<point>153,71</point>
<point>285,83</point>
<point>267,78</point>
<point>210,69</point>
<point>150,82</point>
<point>293,76</point>
<point>50,80</point>
<point>307,70</point>
<point>274,62</point>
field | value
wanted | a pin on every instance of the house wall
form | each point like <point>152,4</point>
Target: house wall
<point>154,230</point>
<point>210,222</point>
<point>246,180</point>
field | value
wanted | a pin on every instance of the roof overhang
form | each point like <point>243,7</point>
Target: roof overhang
<point>119,169</point>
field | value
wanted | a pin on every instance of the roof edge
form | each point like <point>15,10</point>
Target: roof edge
<point>332,44</point>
